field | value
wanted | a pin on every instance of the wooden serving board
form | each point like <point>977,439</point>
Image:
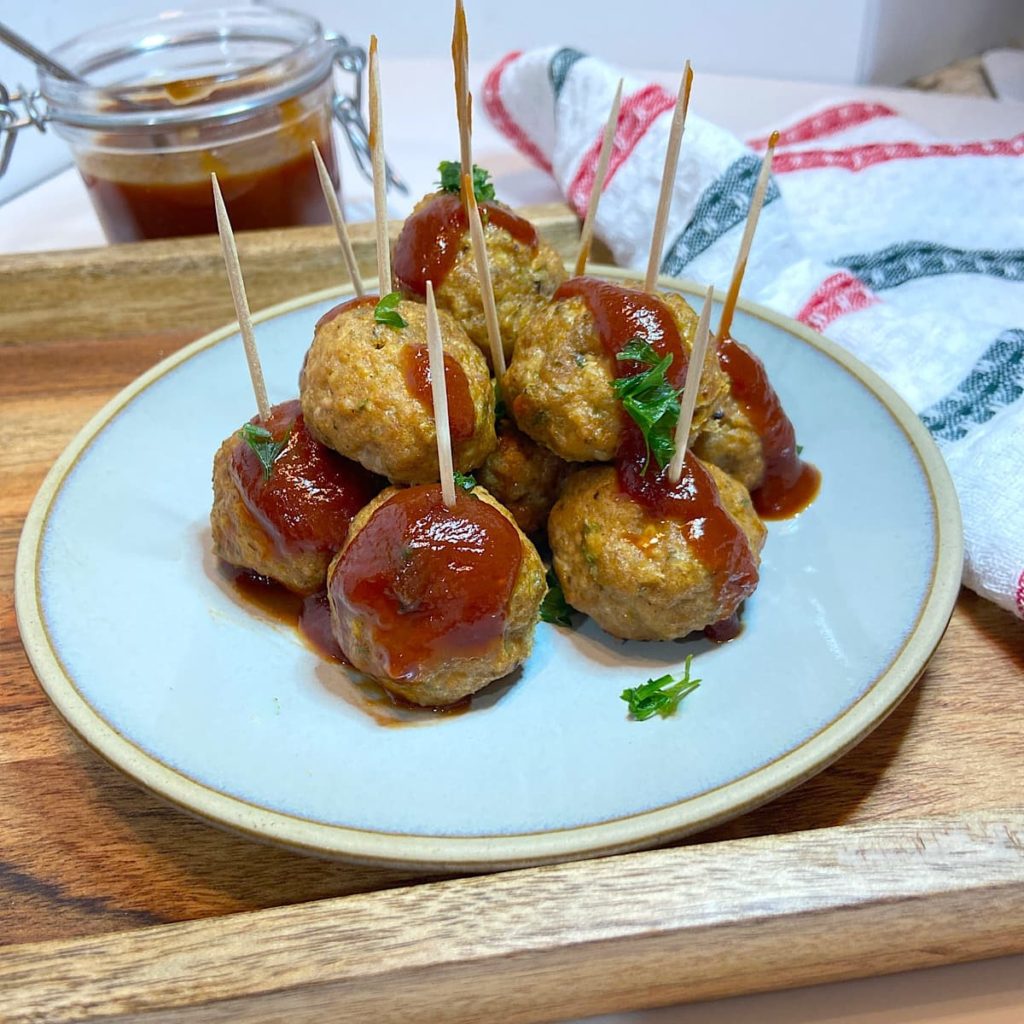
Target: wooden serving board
<point>907,852</point>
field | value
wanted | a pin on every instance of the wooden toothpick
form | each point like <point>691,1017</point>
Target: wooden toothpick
<point>587,234</point>
<point>380,181</point>
<point>668,177</point>
<point>483,272</point>
<point>756,202</point>
<point>227,245</point>
<point>439,392</point>
<point>463,107</point>
<point>691,388</point>
<point>338,219</point>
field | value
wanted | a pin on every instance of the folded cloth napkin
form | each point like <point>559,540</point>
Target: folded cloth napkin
<point>905,250</point>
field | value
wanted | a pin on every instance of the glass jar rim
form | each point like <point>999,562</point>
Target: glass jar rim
<point>306,59</point>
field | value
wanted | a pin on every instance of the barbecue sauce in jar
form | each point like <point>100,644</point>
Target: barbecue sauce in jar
<point>158,185</point>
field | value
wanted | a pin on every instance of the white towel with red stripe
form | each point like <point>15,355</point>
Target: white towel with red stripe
<point>906,250</point>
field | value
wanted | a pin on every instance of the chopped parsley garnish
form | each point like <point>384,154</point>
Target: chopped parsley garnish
<point>554,608</point>
<point>652,403</point>
<point>465,481</point>
<point>660,696</point>
<point>451,180</point>
<point>262,442</point>
<point>386,311</point>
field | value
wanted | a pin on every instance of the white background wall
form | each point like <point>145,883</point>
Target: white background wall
<point>880,41</point>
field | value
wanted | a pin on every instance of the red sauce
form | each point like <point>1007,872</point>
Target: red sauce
<point>343,307</point>
<point>431,236</point>
<point>789,484</point>
<point>621,314</point>
<point>311,618</point>
<point>432,583</point>
<point>312,492</point>
<point>714,535</point>
<point>282,194</point>
<point>461,413</point>
<point>310,615</point>
<point>726,630</point>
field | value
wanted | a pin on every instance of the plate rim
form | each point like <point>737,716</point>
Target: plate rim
<point>494,852</point>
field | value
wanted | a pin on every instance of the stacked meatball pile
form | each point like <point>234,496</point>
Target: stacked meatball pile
<point>393,560</point>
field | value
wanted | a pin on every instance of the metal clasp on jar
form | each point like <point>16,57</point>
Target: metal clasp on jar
<point>11,121</point>
<point>349,110</point>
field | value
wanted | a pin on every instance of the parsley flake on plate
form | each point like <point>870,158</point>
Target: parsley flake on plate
<point>660,696</point>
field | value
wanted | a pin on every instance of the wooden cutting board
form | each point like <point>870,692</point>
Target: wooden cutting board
<point>907,852</point>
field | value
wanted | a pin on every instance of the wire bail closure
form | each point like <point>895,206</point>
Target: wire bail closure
<point>12,121</point>
<point>348,110</point>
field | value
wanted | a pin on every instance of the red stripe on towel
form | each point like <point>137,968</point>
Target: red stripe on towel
<point>503,120</point>
<point>826,122</point>
<point>836,296</point>
<point>857,158</point>
<point>1020,595</point>
<point>637,113</point>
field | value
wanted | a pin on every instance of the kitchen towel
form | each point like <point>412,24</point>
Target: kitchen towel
<point>906,250</point>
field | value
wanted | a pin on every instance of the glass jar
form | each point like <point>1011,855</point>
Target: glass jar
<point>241,91</point>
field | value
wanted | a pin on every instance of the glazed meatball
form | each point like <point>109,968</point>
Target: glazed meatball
<point>729,441</point>
<point>640,575</point>
<point>559,384</point>
<point>287,521</point>
<point>432,602</point>
<point>524,476</point>
<point>365,389</point>
<point>435,245</point>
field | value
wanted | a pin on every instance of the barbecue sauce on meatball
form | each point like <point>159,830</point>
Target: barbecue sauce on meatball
<point>789,484</point>
<point>311,494</point>
<point>461,413</point>
<point>433,582</point>
<point>621,314</point>
<point>429,243</point>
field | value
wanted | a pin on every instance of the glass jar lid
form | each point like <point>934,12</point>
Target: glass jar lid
<point>188,67</point>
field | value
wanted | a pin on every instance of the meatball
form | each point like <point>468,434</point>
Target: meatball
<point>558,385</point>
<point>432,602</point>
<point>435,244</point>
<point>524,476</point>
<point>365,389</point>
<point>730,441</point>
<point>639,575</point>
<point>285,522</point>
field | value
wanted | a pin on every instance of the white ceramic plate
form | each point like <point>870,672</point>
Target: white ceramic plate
<point>154,662</point>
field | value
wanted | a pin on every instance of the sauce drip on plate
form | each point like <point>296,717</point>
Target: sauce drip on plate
<point>432,583</point>
<point>461,413</point>
<point>312,493</point>
<point>432,235</point>
<point>789,484</point>
<point>310,615</point>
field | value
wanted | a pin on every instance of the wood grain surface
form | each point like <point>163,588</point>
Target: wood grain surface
<point>88,859</point>
<point>633,931</point>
